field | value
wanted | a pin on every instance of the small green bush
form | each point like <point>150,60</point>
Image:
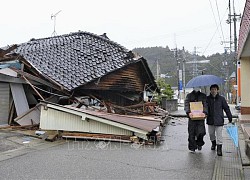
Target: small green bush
<point>166,90</point>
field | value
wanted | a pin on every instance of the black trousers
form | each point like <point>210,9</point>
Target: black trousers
<point>196,132</point>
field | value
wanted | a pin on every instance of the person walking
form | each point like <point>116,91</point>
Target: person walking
<point>215,119</point>
<point>196,128</point>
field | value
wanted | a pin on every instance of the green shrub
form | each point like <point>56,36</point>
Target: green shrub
<point>166,90</point>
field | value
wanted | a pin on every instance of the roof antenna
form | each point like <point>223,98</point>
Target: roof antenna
<point>54,17</point>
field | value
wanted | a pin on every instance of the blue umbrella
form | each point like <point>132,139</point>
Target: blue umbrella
<point>204,80</point>
<point>232,131</point>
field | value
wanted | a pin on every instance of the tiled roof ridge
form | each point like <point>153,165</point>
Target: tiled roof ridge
<point>101,37</point>
<point>79,33</point>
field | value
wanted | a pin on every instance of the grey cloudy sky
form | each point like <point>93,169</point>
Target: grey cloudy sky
<point>131,23</point>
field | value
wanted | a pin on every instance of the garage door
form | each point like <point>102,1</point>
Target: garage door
<point>4,102</point>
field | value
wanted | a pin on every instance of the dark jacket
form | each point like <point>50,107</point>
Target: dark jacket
<point>195,97</point>
<point>216,105</point>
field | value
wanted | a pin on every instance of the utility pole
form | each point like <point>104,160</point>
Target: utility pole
<point>230,26</point>
<point>178,71</point>
<point>235,34</point>
<point>157,70</point>
<point>225,69</point>
<point>184,72</point>
<point>233,17</point>
<point>195,68</point>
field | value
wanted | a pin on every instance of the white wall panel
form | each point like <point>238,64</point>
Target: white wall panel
<point>52,119</point>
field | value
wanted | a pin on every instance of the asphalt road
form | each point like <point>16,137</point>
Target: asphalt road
<point>111,160</point>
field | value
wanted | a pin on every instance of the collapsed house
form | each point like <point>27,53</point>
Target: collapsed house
<point>78,82</point>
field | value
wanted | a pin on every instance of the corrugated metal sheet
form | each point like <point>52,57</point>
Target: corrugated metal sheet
<point>52,119</point>
<point>4,102</point>
<point>21,103</point>
<point>134,122</point>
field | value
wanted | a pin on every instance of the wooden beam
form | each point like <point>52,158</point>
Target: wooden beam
<point>106,137</point>
<point>4,52</point>
<point>33,88</point>
<point>11,112</point>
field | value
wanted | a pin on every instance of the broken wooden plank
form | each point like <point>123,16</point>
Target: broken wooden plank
<point>126,110</point>
<point>5,126</point>
<point>142,105</point>
<point>51,137</point>
<point>96,138</point>
<point>107,136</point>
<point>6,51</point>
<point>11,112</point>
<point>34,126</point>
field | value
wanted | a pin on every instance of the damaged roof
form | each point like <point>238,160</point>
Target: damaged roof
<point>75,59</point>
<point>53,117</point>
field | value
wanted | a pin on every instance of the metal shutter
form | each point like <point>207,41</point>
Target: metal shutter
<point>4,102</point>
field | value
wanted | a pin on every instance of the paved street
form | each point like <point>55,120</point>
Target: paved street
<point>105,160</point>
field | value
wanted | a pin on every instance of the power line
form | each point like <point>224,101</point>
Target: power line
<point>170,35</point>
<point>213,14</point>
<point>220,20</point>
<point>210,41</point>
<point>217,27</point>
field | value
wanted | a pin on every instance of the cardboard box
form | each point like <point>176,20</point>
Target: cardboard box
<point>196,109</point>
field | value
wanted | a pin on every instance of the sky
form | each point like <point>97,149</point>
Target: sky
<point>192,24</point>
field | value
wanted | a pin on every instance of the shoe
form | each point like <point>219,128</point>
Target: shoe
<point>213,147</point>
<point>192,150</point>
<point>219,149</point>
<point>199,148</point>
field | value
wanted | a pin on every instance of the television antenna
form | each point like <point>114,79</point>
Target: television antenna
<point>53,16</point>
